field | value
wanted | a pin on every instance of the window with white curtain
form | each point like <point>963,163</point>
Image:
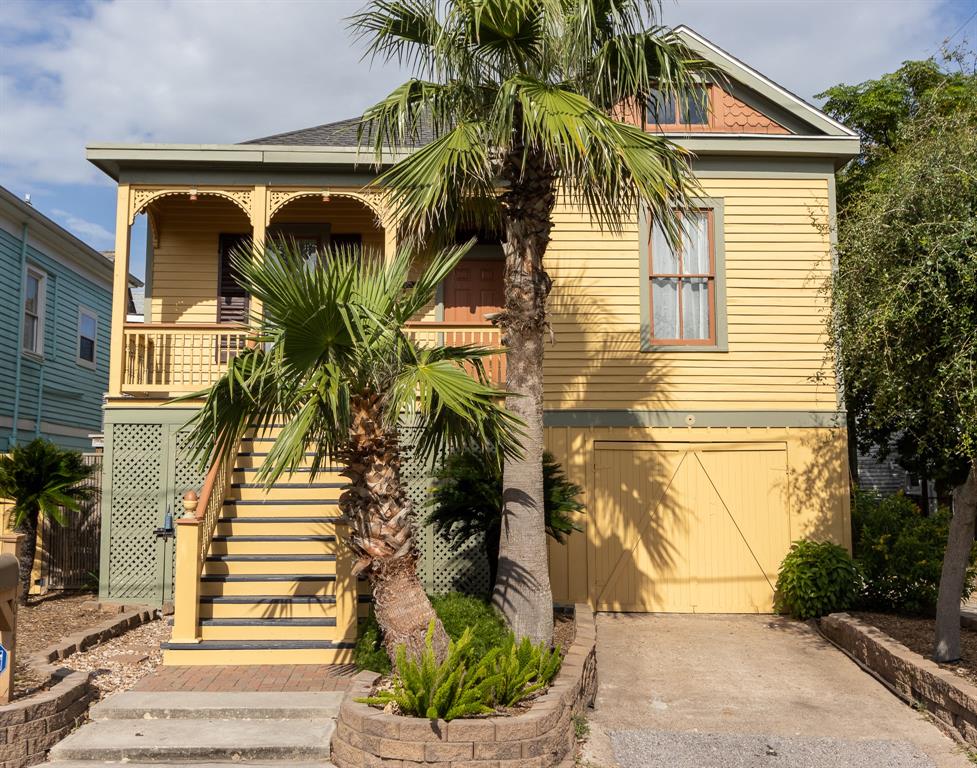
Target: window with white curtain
<point>683,282</point>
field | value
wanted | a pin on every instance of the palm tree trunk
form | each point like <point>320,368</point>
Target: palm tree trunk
<point>522,588</point>
<point>381,532</point>
<point>956,560</point>
<point>28,548</point>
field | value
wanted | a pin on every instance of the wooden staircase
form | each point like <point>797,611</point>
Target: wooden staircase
<point>272,585</point>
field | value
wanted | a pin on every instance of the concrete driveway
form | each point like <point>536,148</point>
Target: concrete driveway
<point>746,692</point>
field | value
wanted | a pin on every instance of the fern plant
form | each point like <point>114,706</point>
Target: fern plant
<point>437,690</point>
<point>517,671</point>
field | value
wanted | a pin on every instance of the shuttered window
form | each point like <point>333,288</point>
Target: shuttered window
<point>233,300</point>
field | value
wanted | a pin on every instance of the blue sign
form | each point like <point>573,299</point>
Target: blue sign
<point>4,657</point>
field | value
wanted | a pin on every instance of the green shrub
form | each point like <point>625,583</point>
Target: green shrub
<point>466,501</point>
<point>424,688</point>
<point>816,578</point>
<point>457,612</point>
<point>518,671</point>
<point>899,552</point>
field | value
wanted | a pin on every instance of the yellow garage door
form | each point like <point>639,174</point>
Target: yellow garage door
<point>689,528</point>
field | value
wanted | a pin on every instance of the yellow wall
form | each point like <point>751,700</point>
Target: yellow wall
<point>184,278</point>
<point>813,492</point>
<point>777,259</point>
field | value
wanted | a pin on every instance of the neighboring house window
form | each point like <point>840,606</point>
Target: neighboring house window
<point>87,336</point>
<point>683,282</point>
<point>691,107</point>
<point>34,290</point>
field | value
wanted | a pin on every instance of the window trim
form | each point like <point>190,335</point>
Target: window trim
<point>38,352</point>
<point>720,340</point>
<point>93,363</point>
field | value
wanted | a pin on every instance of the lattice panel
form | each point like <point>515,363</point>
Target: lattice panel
<point>442,568</point>
<point>186,473</point>
<point>137,478</point>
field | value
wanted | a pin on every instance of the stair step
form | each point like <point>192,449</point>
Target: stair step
<point>272,502</point>
<point>282,538</point>
<point>268,629</point>
<point>271,558</point>
<point>252,577</point>
<point>268,622</point>
<point>196,764</point>
<point>277,520</point>
<point>280,485</point>
<point>256,645</point>
<point>279,545</point>
<point>198,740</point>
<point>227,705</point>
<point>268,599</point>
<point>267,564</point>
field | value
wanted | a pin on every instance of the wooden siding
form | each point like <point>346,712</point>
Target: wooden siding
<point>69,394</point>
<point>809,488</point>
<point>777,259</point>
<point>185,259</point>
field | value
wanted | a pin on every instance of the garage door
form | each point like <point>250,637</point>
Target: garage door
<point>684,527</point>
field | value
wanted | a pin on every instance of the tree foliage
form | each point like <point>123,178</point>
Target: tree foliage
<point>905,296</point>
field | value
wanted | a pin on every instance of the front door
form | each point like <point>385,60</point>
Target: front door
<point>472,290</point>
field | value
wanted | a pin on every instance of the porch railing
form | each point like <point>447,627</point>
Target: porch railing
<point>177,357</point>
<point>458,334</point>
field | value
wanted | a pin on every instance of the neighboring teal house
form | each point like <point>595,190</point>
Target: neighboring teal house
<point>55,316</point>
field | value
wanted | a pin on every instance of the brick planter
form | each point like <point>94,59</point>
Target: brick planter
<point>951,699</point>
<point>541,737</point>
<point>29,727</point>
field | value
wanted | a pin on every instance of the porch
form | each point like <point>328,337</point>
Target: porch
<point>196,312</point>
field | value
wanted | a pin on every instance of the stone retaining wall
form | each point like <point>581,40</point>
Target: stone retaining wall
<point>951,699</point>
<point>29,727</point>
<point>542,737</point>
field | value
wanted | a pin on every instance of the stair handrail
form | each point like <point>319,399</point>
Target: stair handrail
<point>211,500</point>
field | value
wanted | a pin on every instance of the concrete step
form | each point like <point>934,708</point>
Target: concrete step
<point>194,705</point>
<point>198,740</point>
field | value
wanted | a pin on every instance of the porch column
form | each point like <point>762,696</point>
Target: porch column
<point>120,286</point>
<point>259,228</point>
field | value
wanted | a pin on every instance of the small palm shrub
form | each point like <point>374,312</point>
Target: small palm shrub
<point>899,552</point>
<point>816,578</point>
<point>41,479</point>
<point>466,501</point>
<point>457,612</point>
<point>517,671</point>
<point>447,690</point>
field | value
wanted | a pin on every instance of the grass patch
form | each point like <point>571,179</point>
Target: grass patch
<point>457,612</point>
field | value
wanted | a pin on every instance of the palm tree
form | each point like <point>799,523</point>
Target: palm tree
<point>522,99</point>
<point>41,479</point>
<point>333,361</point>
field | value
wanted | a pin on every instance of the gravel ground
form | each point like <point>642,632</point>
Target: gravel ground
<point>649,749</point>
<point>123,661</point>
<point>917,635</point>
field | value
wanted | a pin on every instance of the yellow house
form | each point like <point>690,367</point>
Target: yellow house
<point>690,393</point>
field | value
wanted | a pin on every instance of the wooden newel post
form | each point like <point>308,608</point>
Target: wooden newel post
<point>9,592</point>
<point>186,608</point>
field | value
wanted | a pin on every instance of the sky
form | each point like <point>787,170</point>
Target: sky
<point>74,72</point>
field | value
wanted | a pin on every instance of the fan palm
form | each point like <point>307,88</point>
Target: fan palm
<point>526,100</point>
<point>41,479</point>
<point>335,364</point>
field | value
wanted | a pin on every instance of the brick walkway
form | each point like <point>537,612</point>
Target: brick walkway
<point>275,678</point>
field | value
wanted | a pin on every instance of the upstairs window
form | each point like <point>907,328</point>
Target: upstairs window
<point>691,107</point>
<point>683,282</point>
<point>35,282</point>
<point>87,336</point>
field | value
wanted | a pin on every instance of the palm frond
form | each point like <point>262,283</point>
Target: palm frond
<point>407,31</point>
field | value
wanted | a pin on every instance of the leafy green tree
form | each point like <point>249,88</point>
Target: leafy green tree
<point>879,109</point>
<point>905,316</point>
<point>522,97</point>
<point>41,479</point>
<point>335,364</point>
<point>466,501</point>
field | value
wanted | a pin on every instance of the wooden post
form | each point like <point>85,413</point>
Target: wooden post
<point>259,228</point>
<point>120,292</point>
<point>9,592</point>
<point>186,598</point>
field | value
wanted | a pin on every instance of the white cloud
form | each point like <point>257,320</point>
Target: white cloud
<point>230,70</point>
<point>89,231</point>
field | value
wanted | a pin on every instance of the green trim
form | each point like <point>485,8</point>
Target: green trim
<point>843,147</point>
<point>149,414</point>
<point>715,166</point>
<point>656,418</point>
<point>717,205</point>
